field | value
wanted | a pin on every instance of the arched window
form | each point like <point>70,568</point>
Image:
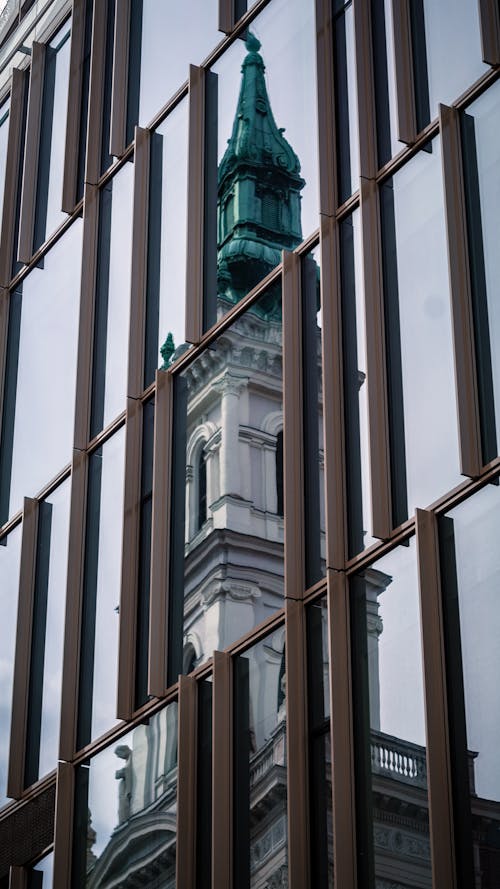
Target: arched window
<point>279,473</point>
<point>201,505</point>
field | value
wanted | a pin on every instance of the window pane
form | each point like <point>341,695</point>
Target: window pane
<point>267,194</point>
<point>112,309</point>
<point>385,604</point>
<point>43,871</point>
<point>356,385</point>
<point>164,64</point>
<point>481,152</point>
<point>227,552</point>
<point>47,634</point>
<point>101,590</point>
<point>260,764</point>
<point>52,136</point>
<point>318,692</point>
<point>4,135</point>
<point>423,416</point>
<point>453,43</point>
<point>39,400</point>
<point>314,457</point>
<point>166,285</point>
<point>126,809</point>
<point>470,567</point>
<point>10,555</point>
<point>346,108</point>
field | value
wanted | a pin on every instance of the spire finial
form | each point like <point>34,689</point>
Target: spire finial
<point>252,44</point>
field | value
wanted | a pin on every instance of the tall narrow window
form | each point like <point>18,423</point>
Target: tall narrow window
<point>279,473</point>
<point>201,514</point>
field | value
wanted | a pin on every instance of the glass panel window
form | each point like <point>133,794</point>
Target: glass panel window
<point>192,29</point>
<point>39,398</point>
<point>112,300</point>
<point>387,664</point>
<point>101,590</point>
<point>470,569</point>
<point>481,154</point>
<point>227,542</point>
<point>320,757</point>
<point>52,136</point>
<point>419,342</point>
<point>10,557</point>
<point>388,143</point>
<point>356,386</point>
<point>47,634</point>
<point>346,107</point>
<point>125,827</point>
<point>4,135</point>
<point>40,876</point>
<point>453,49</point>
<point>167,247</point>
<point>267,189</point>
<point>314,457</point>
<point>260,789</point>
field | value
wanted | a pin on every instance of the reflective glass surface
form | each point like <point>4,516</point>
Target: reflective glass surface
<point>356,384</point>
<point>227,538</point>
<point>346,103</point>
<point>52,135</point>
<point>101,592</point>
<point>10,556</point>
<point>474,527</point>
<point>126,809</point>
<point>453,44</point>
<point>481,153</point>
<point>173,37</point>
<point>314,457</point>
<point>112,311</point>
<point>4,135</point>
<point>260,796</point>
<point>41,874</point>
<point>385,602</point>
<point>318,663</point>
<point>419,342</point>
<point>267,176</point>
<point>48,634</point>
<point>167,247</point>
<point>39,402</point>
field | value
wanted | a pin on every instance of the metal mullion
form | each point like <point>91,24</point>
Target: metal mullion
<point>73,118</point>
<point>96,92</point>
<point>436,704</point>
<point>328,186</point>
<point>63,828</point>
<point>4,329</point>
<point>293,445</point>
<point>365,89</point>
<point>86,319</point>
<point>341,731</point>
<point>375,359</point>
<point>138,279</point>
<point>22,661</point>
<point>119,95</point>
<point>226,16</point>
<point>186,783</point>
<point>222,772</point>
<point>130,561</point>
<point>72,631</point>
<point>31,151</point>
<point>403,60</point>
<point>160,535</point>
<point>12,172</point>
<point>196,205</point>
<point>333,414</point>
<point>18,877</point>
<point>489,13</point>
<point>297,746</point>
<point>460,291</point>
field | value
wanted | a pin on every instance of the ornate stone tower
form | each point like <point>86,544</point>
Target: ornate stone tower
<point>259,187</point>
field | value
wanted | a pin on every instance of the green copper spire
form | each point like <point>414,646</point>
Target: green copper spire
<point>259,185</point>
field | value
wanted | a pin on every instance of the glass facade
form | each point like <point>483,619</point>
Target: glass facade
<point>249,465</point>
